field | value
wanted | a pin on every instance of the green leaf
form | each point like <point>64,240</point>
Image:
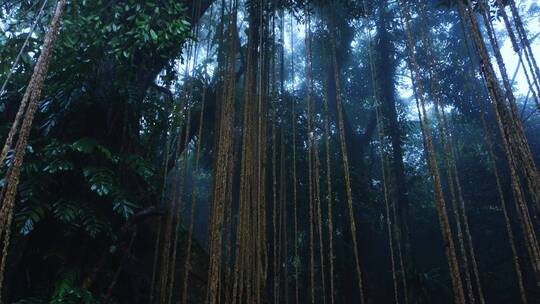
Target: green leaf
<point>107,153</point>
<point>84,145</point>
<point>140,166</point>
<point>66,211</point>
<point>153,35</point>
<point>100,180</point>
<point>88,145</point>
<point>124,208</point>
<point>28,217</point>
<point>66,283</point>
<point>58,165</point>
<point>27,227</point>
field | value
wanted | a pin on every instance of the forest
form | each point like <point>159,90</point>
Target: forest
<point>269,151</point>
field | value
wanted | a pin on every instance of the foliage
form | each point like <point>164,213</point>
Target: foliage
<point>90,167</point>
<point>125,31</point>
<point>81,184</point>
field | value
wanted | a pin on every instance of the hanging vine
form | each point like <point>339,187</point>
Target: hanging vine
<point>29,101</point>
<point>511,131</point>
<point>458,205</point>
<point>459,296</point>
<point>224,167</point>
<point>345,160</point>
<point>384,169</point>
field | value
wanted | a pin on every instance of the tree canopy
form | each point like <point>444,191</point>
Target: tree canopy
<point>269,151</point>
